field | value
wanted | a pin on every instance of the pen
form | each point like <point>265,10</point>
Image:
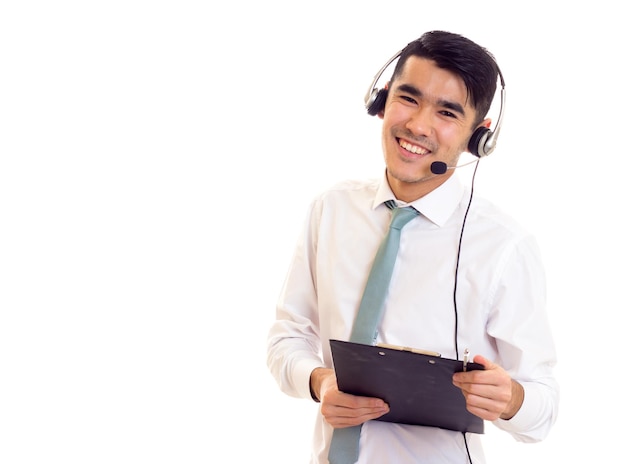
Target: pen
<point>465,359</point>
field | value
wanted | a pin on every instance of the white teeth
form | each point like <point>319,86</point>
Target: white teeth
<point>412,148</point>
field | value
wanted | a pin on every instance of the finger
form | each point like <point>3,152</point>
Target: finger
<point>359,402</point>
<point>339,416</point>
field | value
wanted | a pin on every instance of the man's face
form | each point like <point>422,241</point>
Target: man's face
<point>427,118</point>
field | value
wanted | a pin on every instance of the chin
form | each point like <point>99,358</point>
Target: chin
<point>409,177</point>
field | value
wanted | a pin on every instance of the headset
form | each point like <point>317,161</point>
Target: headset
<point>483,140</point>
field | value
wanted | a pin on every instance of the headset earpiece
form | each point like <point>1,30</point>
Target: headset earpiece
<point>483,140</point>
<point>377,102</point>
<point>478,140</point>
<point>375,99</point>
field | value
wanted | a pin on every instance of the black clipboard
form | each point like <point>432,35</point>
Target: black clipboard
<point>417,387</point>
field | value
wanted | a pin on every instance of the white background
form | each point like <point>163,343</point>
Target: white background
<point>156,159</point>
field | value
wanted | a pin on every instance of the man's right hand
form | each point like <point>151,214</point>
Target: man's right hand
<point>342,409</point>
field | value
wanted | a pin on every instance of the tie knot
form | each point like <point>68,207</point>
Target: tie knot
<point>401,216</point>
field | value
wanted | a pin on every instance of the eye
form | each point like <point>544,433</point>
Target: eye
<point>449,114</point>
<point>408,99</point>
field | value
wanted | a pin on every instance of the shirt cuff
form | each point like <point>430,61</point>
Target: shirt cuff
<point>527,424</point>
<point>302,377</point>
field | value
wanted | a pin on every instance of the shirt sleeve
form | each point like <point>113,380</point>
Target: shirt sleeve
<point>293,342</point>
<point>519,324</point>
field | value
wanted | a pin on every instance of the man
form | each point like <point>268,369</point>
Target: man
<point>466,274</point>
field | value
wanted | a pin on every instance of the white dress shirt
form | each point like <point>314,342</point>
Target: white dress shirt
<point>500,303</point>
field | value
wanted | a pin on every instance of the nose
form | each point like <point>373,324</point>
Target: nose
<point>420,121</point>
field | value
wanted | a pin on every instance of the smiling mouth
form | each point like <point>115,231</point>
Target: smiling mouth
<point>415,149</point>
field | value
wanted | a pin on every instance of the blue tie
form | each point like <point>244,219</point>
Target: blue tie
<point>344,446</point>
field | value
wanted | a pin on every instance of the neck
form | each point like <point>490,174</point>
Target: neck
<point>409,191</point>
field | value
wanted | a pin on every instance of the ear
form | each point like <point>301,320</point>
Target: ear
<point>487,123</point>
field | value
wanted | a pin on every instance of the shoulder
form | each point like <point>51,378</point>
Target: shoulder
<point>343,203</point>
<point>494,238</point>
<point>348,191</point>
<point>492,216</point>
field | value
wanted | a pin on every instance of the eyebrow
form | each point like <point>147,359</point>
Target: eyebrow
<point>415,92</point>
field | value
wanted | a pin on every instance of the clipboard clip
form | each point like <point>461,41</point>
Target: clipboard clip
<point>408,348</point>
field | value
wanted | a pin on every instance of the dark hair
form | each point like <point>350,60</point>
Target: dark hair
<point>459,55</point>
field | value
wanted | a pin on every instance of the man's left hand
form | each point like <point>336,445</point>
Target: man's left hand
<point>491,393</point>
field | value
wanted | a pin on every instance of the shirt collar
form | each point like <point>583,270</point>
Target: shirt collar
<point>437,206</point>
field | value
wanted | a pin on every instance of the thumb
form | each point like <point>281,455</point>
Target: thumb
<point>484,362</point>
